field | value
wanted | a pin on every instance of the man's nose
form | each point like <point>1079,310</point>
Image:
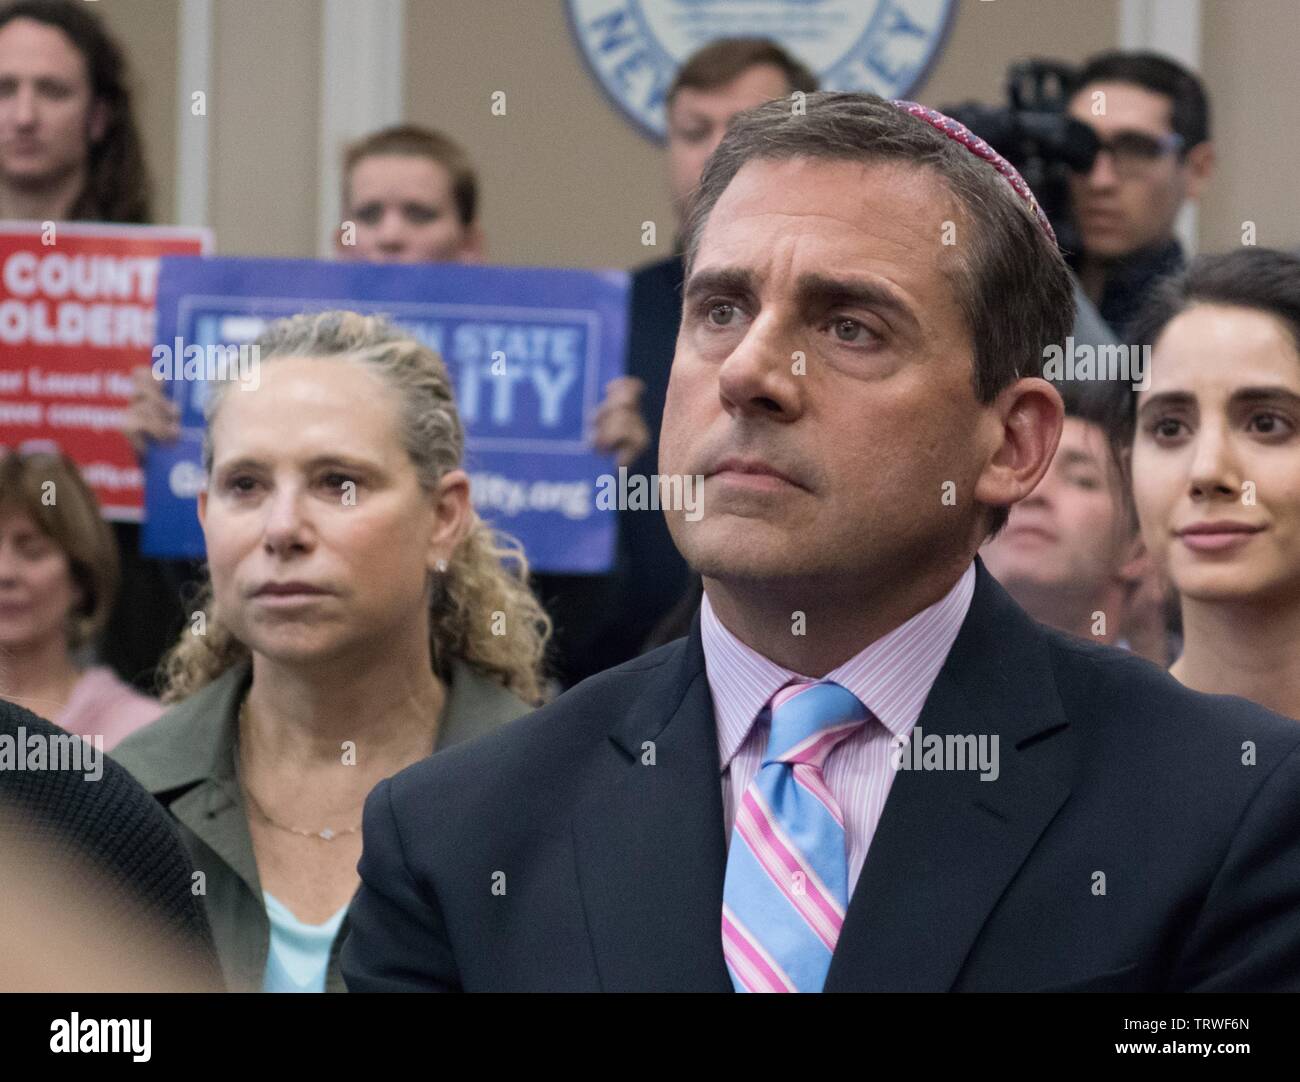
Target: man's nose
<point>24,108</point>
<point>392,232</point>
<point>765,373</point>
<point>1103,173</point>
<point>10,565</point>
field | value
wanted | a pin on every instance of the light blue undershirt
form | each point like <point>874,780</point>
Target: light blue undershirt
<point>300,953</point>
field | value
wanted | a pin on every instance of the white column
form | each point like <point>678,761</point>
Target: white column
<point>1173,28</point>
<point>193,133</point>
<point>362,64</point>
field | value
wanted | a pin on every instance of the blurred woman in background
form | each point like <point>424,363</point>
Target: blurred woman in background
<point>359,618</point>
<point>58,578</point>
<point>1215,464</point>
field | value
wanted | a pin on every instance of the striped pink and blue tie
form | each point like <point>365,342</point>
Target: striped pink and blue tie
<point>786,887</point>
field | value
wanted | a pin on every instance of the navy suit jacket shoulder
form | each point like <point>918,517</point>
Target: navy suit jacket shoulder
<point>1137,835</point>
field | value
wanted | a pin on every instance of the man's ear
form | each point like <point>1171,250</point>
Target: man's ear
<point>203,507</point>
<point>1200,168</point>
<point>97,122</point>
<point>1026,419</point>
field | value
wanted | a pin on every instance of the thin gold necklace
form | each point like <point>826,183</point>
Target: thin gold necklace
<point>328,834</point>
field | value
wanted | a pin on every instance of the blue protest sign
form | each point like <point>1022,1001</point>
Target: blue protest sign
<point>530,352</point>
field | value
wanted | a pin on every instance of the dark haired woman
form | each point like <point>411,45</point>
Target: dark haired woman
<point>1215,462</point>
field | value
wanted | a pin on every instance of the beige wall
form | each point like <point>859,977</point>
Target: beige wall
<point>987,37</point>
<point>566,179</point>
<point>1249,64</point>
<point>147,32</point>
<point>264,128</point>
<point>261,106</point>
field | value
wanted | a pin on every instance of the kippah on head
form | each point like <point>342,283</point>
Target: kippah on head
<point>959,133</point>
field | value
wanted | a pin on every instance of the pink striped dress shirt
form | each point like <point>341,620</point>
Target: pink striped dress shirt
<point>892,677</point>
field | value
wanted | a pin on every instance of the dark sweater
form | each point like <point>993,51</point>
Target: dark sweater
<point>111,823</point>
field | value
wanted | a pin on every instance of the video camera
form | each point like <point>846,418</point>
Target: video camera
<point>1036,135</point>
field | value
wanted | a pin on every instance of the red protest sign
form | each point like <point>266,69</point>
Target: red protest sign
<point>76,315</point>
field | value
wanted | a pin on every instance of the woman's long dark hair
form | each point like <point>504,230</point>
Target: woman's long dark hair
<point>117,182</point>
<point>1262,279</point>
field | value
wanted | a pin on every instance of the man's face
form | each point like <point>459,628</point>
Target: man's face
<point>697,121</point>
<point>1067,536</point>
<point>822,340</point>
<point>1121,208</point>
<point>48,117</point>
<point>405,212</point>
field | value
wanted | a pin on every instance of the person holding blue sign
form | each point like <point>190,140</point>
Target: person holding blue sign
<point>411,197</point>
<point>359,616</point>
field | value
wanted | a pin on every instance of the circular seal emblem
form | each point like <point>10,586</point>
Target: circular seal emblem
<point>634,47</point>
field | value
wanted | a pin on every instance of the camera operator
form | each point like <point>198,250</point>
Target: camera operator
<point>1152,119</point>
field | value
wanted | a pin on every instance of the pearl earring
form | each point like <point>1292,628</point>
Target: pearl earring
<point>441,565</point>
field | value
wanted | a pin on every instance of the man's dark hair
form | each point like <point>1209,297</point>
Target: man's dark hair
<point>721,61</point>
<point>1011,284</point>
<point>1262,279</point>
<point>1190,117</point>
<point>117,182</point>
<point>413,141</point>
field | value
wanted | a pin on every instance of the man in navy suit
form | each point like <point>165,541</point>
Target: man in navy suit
<point>865,767</point>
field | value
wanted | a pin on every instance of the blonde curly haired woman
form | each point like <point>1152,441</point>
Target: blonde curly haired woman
<point>359,617</point>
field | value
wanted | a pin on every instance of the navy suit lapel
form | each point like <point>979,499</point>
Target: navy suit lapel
<point>651,854</point>
<point>948,844</point>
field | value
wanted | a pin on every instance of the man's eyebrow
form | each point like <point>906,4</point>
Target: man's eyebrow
<point>1072,457</point>
<point>1141,132</point>
<point>730,281</point>
<point>813,290</point>
<point>823,291</point>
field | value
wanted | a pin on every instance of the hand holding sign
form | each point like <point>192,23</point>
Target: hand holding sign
<point>620,429</point>
<point>150,415</point>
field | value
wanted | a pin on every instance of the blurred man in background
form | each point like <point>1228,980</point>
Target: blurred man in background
<point>69,148</point>
<point>1153,120</point>
<point>70,151</point>
<point>1069,554</point>
<point>411,196</point>
<point>712,86</point>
